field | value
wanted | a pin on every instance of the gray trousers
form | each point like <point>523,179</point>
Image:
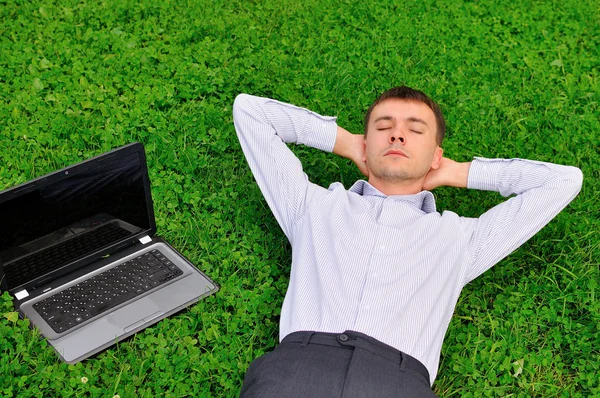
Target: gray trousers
<point>350,364</point>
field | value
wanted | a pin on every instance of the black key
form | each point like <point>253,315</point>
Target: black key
<point>46,313</point>
<point>155,269</point>
<point>57,320</point>
<point>159,273</point>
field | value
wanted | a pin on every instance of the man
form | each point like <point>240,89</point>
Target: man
<point>376,270</point>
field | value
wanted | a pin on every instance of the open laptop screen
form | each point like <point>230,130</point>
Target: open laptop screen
<point>71,215</point>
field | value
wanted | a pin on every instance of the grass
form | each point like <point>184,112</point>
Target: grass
<point>515,79</point>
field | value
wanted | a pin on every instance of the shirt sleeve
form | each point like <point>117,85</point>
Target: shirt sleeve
<point>264,126</point>
<point>542,190</point>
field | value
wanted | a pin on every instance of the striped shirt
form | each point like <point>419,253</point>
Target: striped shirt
<point>391,267</point>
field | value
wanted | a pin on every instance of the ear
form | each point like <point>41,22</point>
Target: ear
<point>437,158</point>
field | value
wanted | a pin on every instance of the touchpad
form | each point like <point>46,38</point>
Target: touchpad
<point>133,313</point>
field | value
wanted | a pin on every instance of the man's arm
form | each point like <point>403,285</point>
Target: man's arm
<point>542,190</point>
<point>264,126</point>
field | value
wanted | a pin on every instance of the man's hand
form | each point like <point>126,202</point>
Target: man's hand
<point>449,173</point>
<point>351,146</point>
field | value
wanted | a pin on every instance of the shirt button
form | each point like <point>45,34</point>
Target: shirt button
<point>382,247</point>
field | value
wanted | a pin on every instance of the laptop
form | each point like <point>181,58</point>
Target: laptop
<point>79,254</point>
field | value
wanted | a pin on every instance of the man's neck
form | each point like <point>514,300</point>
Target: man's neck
<point>404,187</point>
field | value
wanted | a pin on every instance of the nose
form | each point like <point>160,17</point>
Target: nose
<point>397,135</point>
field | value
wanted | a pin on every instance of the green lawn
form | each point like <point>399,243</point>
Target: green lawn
<point>515,79</point>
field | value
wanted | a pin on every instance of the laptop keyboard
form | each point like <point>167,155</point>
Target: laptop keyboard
<point>100,293</point>
<point>46,260</point>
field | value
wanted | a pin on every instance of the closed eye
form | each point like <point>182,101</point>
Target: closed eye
<point>417,131</point>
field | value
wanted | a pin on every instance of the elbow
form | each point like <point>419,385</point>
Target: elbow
<point>571,181</point>
<point>241,100</point>
<point>240,105</point>
<point>576,178</point>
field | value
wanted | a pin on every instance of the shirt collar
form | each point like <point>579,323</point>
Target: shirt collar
<point>423,200</point>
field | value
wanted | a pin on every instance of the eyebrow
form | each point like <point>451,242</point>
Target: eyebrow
<point>417,120</point>
<point>380,118</point>
<point>410,119</point>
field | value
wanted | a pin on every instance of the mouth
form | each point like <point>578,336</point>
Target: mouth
<point>395,152</point>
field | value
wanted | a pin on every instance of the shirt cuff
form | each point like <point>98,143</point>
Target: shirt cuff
<point>320,132</point>
<point>484,174</point>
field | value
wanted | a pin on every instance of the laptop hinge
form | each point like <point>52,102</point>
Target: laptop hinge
<point>21,294</point>
<point>145,239</point>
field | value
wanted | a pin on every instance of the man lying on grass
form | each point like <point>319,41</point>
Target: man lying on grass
<point>376,270</point>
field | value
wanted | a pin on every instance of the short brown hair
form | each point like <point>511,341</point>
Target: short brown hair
<point>407,93</point>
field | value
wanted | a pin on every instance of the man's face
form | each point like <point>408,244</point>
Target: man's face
<point>401,141</point>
